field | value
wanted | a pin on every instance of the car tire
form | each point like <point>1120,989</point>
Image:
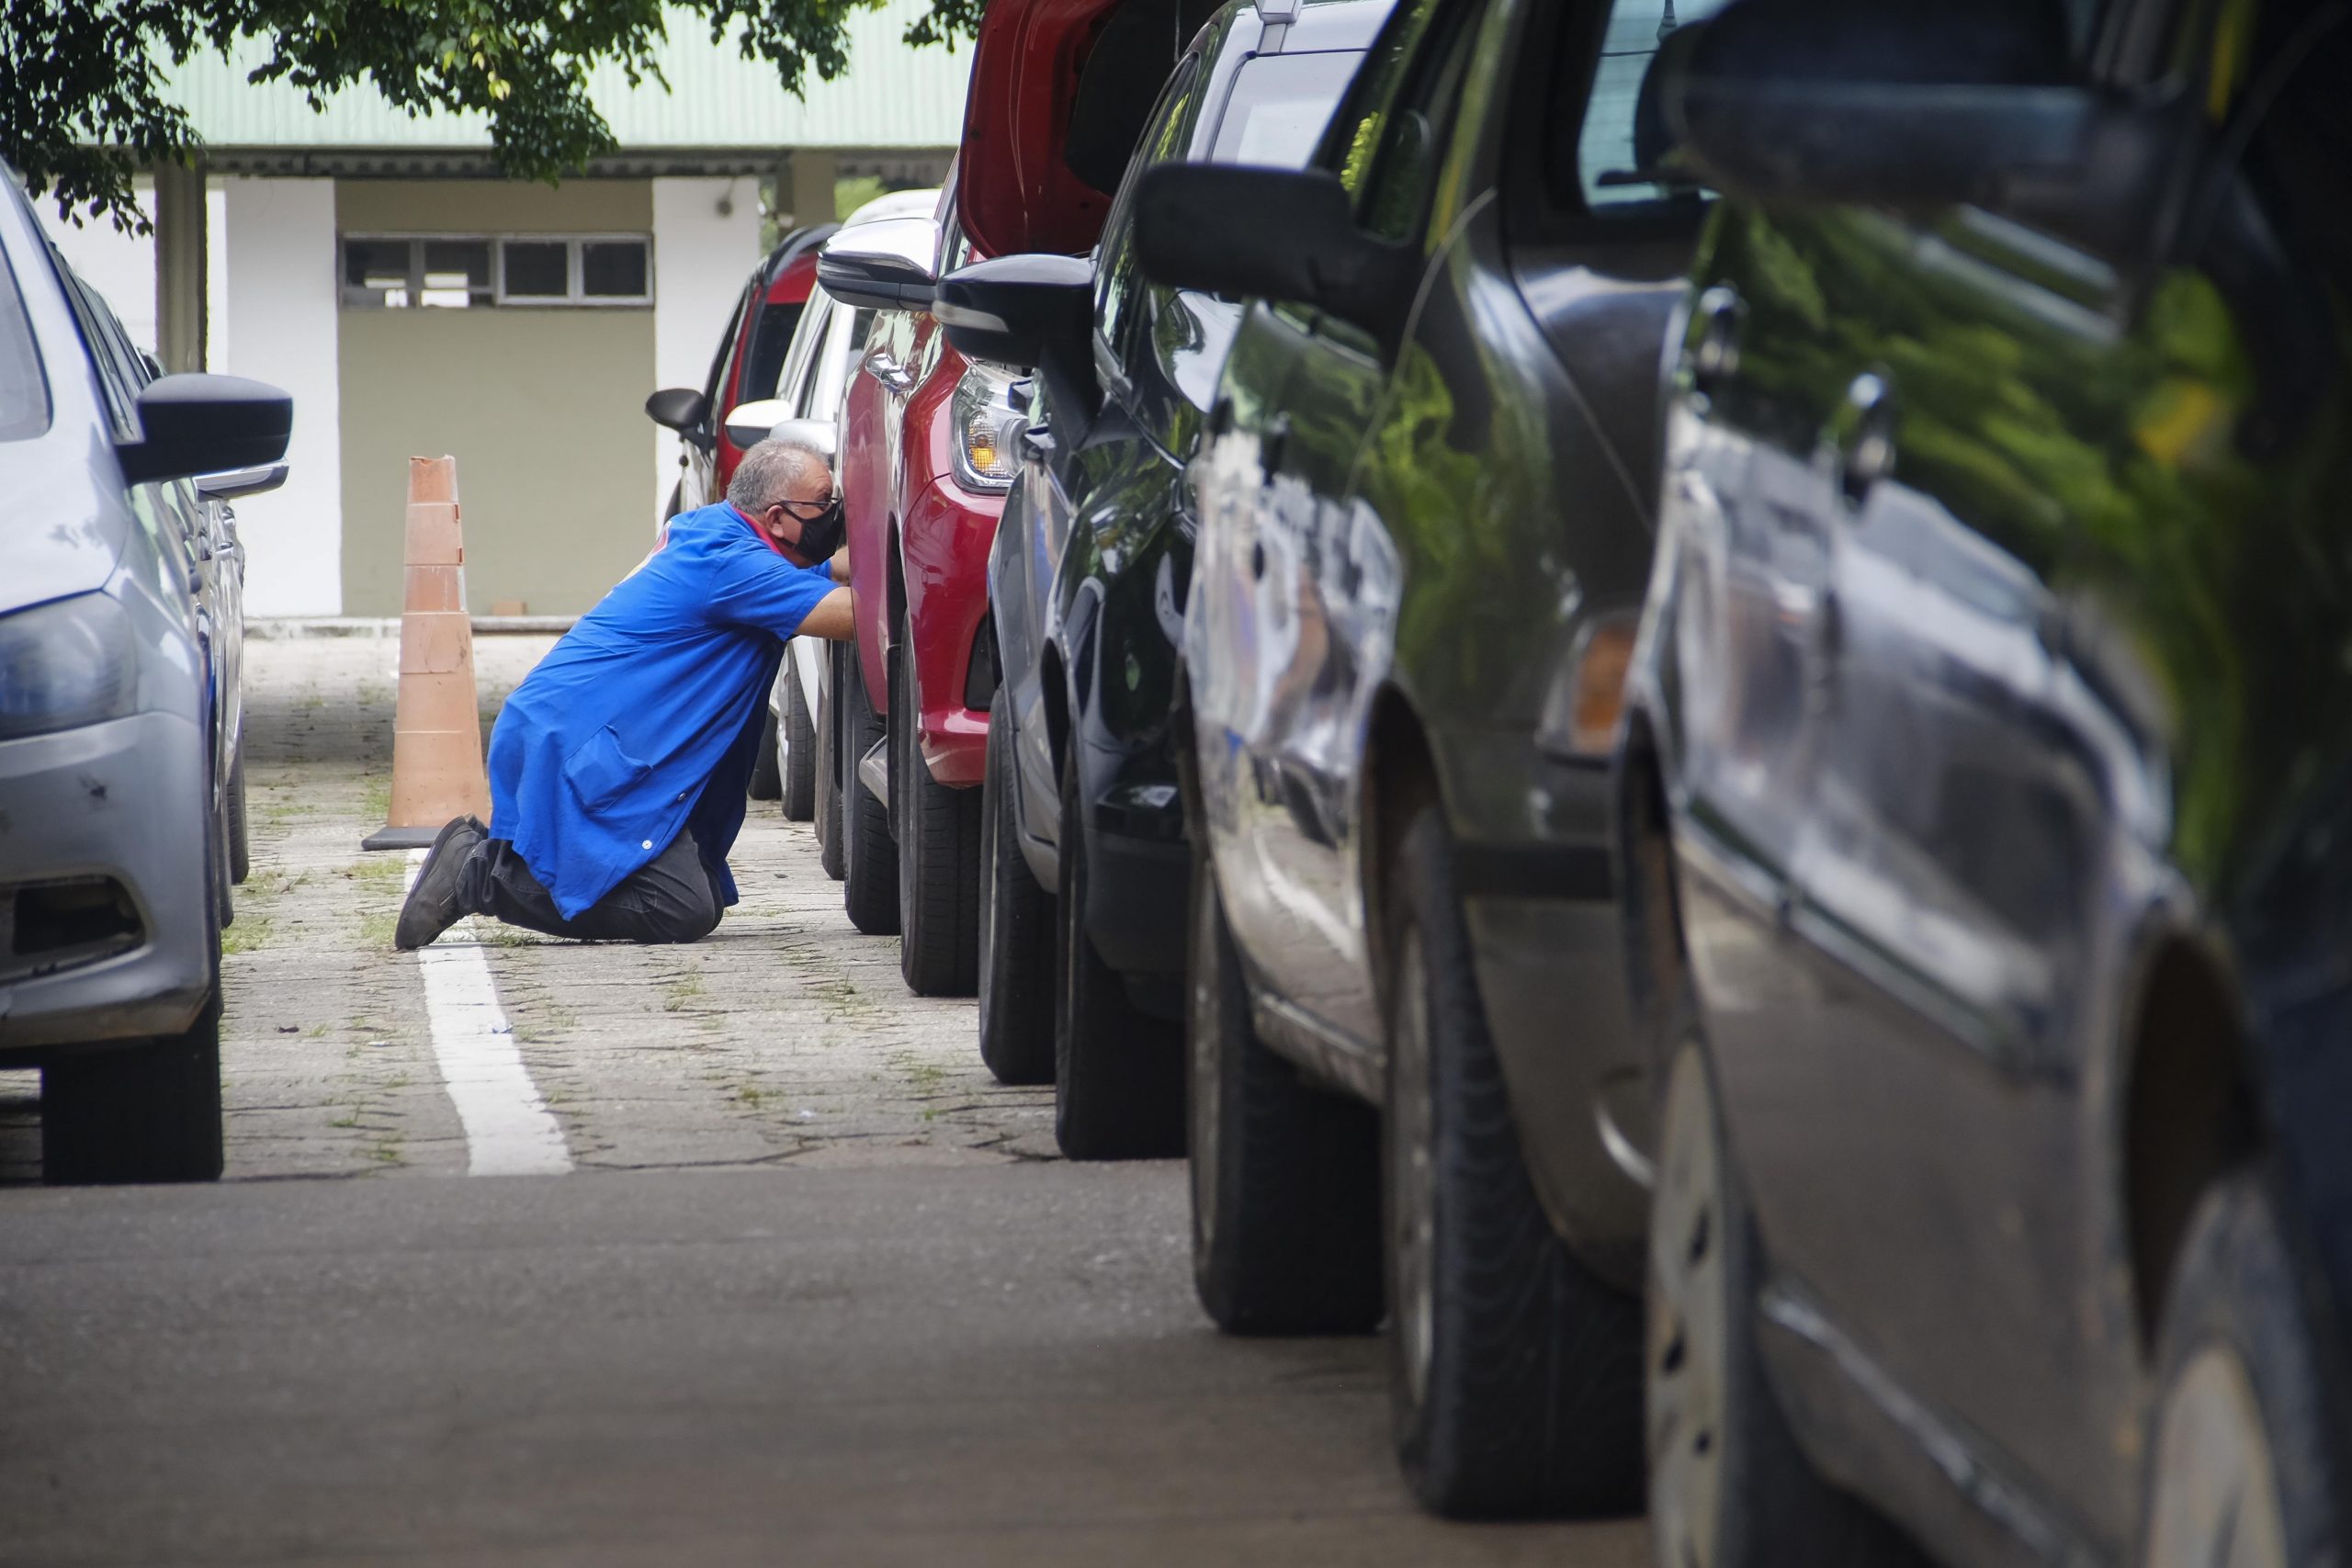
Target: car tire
<point>2240,1460</point>
<point>1285,1175</point>
<point>241,863</point>
<point>1016,938</point>
<point>1516,1380</point>
<point>797,764</point>
<point>767,778</point>
<point>1728,1485</point>
<point>137,1113</point>
<point>869,858</point>
<point>939,853</point>
<point>830,856</point>
<point>1118,1072</point>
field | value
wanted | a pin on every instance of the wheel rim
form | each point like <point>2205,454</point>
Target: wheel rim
<point>1412,1198</point>
<point>1688,1322</point>
<point>1208,1045</point>
<point>2216,1502</point>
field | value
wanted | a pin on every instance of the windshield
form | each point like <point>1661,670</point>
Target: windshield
<point>1615,143</point>
<point>24,394</point>
<point>1279,107</point>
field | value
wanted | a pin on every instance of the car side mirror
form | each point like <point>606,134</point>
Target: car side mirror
<point>1019,310</point>
<point>241,482</point>
<point>1270,233</point>
<point>196,423</point>
<point>681,409</point>
<point>1914,112</point>
<point>771,420</point>
<point>881,266</point>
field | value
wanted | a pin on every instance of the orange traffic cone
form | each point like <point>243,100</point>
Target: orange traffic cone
<point>436,730</point>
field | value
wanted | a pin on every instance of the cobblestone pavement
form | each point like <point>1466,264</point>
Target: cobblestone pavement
<point>814,1290</point>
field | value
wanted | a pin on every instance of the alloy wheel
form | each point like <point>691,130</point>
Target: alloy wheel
<point>1689,1315</point>
<point>2216,1502</point>
<point>1412,1174</point>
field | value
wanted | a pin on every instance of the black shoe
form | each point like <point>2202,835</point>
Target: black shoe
<point>431,906</point>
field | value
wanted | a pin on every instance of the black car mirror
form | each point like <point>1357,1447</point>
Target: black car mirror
<point>681,409</point>
<point>1270,233</point>
<point>1818,102</point>
<point>196,424</point>
<point>885,266</point>
<point>1019,310</point>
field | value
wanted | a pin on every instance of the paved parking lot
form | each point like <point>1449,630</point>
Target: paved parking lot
<point>803,1284</point>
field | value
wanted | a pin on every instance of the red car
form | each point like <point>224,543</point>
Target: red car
<point>1060,89</point>
<point>925,462</point>
<point>744,371</point>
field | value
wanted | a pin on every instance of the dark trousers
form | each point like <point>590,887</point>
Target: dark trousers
<point>669,899</point>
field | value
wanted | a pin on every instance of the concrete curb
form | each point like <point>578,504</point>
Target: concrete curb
<point>295,629</point>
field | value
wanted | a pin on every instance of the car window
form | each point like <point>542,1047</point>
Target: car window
<point>1117,279</point>
<point>815,330</point>
<point>770,339</point>
<point>1390,157</point>
<point>24,391</point>
<point>1619,137</point>
<point>715,385</point>
<point>116,381</point>
<point>1280,106</point>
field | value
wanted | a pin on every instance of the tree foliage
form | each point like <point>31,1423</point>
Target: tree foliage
<point>84,105</point>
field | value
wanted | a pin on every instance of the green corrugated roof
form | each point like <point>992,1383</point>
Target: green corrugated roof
<point>890,97</point>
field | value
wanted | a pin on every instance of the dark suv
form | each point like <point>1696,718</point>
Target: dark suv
<point>1988,756</point>
<point>1083,869</point>
<point>1425,533</point>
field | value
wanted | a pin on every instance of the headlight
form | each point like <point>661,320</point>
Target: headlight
<point>67,664</point>
<point>1580,714</point>
<point>987,429</point>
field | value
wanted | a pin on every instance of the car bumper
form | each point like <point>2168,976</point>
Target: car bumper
<point>944,542</point>
<point>113,815</point>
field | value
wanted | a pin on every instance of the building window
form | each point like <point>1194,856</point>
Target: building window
<point>394,271</point>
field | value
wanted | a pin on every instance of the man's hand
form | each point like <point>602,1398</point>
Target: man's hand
<point>834,618</point>
<point>840,564</point>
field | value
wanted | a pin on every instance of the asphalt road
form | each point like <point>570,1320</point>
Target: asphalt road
<point>808,1289</point>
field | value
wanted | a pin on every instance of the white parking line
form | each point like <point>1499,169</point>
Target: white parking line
<point>509,1130</point>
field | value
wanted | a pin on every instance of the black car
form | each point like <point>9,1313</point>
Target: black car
<point>1426,531</point>
<point>1087,583</point>
<point>1987,772</point>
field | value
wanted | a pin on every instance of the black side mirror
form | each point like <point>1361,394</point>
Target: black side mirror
<point>196,423</point>
<point>1270,233</point>
<point>1018,310</point>
<point>1914,112</point>
<point>881,266</point>
<point>681,409</point>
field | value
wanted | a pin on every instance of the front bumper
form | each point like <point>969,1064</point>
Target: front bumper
<point>110,822</point>
<point>944,542</point>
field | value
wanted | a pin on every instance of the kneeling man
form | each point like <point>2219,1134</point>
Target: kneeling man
<point>617,768</point>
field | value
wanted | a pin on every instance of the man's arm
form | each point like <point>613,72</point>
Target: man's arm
<point>834,618</point>
<point>840,564</point>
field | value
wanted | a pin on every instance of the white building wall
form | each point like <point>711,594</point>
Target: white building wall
<point>279,311</point>
<point>702,256</point>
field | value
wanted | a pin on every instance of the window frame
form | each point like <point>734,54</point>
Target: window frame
<point>498,298</point>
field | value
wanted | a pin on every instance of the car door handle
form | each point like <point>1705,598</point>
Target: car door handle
<point>1863,435</point>
<point>1714,356</point>
<point>1275,442</point>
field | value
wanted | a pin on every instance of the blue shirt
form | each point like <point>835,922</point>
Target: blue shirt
<point>645,719</point>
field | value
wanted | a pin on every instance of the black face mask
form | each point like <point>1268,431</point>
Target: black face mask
<point>821,535</point>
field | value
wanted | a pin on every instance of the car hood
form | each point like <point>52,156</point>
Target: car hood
<point>60,532</point>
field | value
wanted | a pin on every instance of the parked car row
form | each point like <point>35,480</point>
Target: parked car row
<point>1662,677</point>
<point>122,791</point>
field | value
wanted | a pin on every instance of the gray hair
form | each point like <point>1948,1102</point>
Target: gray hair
<point>769,469</point>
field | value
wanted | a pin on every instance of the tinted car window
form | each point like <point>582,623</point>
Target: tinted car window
<point>770,339</point>
<point>1163,138</point>
<point>1613,146</point>
<point>24,391</point>
<point>1410,138</point>
<point>1280,106</point>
